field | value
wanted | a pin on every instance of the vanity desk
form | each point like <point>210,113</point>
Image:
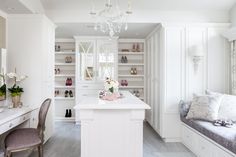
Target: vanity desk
<point>17,117</point>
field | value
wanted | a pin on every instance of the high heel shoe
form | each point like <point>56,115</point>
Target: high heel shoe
<point>71,93</point>
<point>125,60</point>
<point>135,71</point>
<point>122,59</point>
<point>131,71</point>
<point>66,93</point>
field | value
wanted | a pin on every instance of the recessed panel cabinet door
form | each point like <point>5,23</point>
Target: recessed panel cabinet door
<point>87,62</point>
<point>106,59</point>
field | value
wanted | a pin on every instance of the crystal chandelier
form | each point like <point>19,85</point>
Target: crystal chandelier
<point>111,19</point>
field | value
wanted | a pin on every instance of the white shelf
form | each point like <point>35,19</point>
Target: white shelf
<point>130,75</point>
<point>65,64</point>
<point>64,98</point>
<point>65,53</point>
<point>64,75</point>
<point>131,53</point>
<point>65,119</point>
<point>64,87</point>
<point>130,87</point>
<point>130,64</point>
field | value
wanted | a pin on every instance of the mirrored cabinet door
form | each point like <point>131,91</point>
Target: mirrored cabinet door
<point>106,57</point>
<point>87,60</point>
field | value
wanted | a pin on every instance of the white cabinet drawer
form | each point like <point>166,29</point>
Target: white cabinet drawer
<point>98,86</point>
<point>189,139</point>
<point>85,94</point>
<point>218,152</point>
<point>13,123</point>
<point>204,147</point>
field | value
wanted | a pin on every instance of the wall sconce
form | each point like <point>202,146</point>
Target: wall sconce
<point>197,54</point>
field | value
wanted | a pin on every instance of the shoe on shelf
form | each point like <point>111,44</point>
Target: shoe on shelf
<point>58,71</point>
<point>125,83</point>
<point>70,113</point>
<point>125,60</point>
<point>67,113</point>
<point>122,59</point>
<point>55,71</point>
<point>131,71</point>
<point>135,71</point>
<point>137,93</point>
<point>71,93</point>
<point>66,93</point>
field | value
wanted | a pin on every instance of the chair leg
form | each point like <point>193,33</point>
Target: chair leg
<point>7,154</point>
<point>40,150</point>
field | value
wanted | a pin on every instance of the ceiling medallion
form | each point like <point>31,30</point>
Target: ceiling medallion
<point>111,19</point>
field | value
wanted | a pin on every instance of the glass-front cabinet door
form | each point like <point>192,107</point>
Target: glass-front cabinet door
<point>87,62</point>
<point>106,59</point>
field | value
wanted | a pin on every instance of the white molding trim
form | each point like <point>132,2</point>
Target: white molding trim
<point>230,34</point>
<point>3,14</point>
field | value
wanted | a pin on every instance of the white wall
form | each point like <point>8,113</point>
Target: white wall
<point>233,15</point>
<point>2,32</point>
<point>178,79</point>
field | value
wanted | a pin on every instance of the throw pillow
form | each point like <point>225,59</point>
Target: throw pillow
<point>227,108</point>
<point>205,107</point>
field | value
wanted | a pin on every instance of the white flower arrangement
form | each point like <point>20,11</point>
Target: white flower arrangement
<point>111,85</point>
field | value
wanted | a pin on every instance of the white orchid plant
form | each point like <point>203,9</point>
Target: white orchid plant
<point>111,85</point>
<point>16,90</point>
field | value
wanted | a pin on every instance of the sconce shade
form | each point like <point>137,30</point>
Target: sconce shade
<point>197,51</point>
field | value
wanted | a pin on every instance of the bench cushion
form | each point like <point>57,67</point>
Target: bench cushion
<point>225,137</point>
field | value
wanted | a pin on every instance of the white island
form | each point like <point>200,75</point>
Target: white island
<point>111,128</point>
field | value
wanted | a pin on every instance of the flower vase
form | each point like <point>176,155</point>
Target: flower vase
<point>16,101</point>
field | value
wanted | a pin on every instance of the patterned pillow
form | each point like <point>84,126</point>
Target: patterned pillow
<point>227,109</point>
<point>205,107</point>
<point>184,108</point>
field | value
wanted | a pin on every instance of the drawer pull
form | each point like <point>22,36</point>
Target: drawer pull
<point>24,118</point>
<point>10,125</point>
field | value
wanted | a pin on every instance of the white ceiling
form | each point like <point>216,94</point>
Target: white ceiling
<point>13,7</point>
<point>207,5</point>
<point>136,30</point>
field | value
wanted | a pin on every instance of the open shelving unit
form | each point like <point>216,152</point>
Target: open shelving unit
<point>136,59</point>
<point>67,70</point>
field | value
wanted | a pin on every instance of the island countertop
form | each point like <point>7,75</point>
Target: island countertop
<point>128,101</point>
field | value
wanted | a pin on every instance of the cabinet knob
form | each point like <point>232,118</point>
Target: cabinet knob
<point>24,118</point>
<point>10,125</point>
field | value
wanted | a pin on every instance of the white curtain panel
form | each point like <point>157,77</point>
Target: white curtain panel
<point>233,67</point>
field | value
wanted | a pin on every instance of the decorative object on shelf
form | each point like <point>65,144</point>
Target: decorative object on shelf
<point>3,87</point>
<point>111,19</point>
<point>69,81</point>
<point>111,91</point>
<point>57,48</point>
<point>133,71</point>
<point>15,90</point>
<point>57,93</point>
<point>71,93</point>
<point>124,83</point>
<point>68,59</point>
<point>197,54</point>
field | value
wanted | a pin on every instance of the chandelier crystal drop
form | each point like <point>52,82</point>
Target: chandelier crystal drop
<point>111,19</point>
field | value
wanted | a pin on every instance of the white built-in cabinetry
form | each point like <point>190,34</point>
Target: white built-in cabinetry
<point>96,59</point>
<point>201,145</point>
<point>31,40</point>
<point>134,51</point>
<point>64,48</point>
<point>170,71</point>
